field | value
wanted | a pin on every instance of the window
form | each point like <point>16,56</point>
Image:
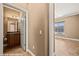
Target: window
<point>59,27</point>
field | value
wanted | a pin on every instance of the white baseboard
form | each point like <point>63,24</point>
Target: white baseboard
<point>31,52</point>
<point>62,37</point>
<point>53,54</point>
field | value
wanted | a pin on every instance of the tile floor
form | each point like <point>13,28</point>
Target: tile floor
<point>16,52</point>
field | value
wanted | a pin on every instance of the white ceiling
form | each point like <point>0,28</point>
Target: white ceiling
<point>64,9</point>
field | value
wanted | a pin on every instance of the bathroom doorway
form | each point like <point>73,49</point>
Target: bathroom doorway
<point>14,30</point>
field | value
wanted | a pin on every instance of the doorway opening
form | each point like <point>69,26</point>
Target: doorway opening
<point>14,31</point>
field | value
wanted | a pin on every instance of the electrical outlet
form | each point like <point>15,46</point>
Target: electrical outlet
<point>33,47</point>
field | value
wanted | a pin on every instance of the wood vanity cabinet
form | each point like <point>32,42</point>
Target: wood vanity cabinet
<point>13,39</point>
<point>11,32</point>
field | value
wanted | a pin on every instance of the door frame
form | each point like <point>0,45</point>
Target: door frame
<point>18,8</point>
<point>1,29</point>
<point>51,29</point>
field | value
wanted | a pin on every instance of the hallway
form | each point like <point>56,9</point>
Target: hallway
<point>16,52</point>
<point>65,47</point>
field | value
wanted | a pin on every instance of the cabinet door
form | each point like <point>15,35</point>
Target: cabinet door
<point>17,39</point>
<point>11,41</point>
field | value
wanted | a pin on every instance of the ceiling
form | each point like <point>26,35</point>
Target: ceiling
<point>65,9</point>
<point>8,12</point>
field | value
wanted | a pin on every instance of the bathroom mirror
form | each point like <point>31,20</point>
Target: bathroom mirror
<point>12,25</point>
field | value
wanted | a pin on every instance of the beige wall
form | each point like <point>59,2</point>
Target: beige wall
<point>38,20</point>
<point>72,26</point>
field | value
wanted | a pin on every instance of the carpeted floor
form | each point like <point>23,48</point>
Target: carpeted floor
<point>64,47</point>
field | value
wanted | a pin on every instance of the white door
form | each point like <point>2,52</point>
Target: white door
<point>23,31</point>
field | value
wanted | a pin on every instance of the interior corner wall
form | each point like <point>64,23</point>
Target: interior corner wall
<point>38,22</point>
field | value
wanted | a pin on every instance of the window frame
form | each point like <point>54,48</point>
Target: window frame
<point>59,32</point>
